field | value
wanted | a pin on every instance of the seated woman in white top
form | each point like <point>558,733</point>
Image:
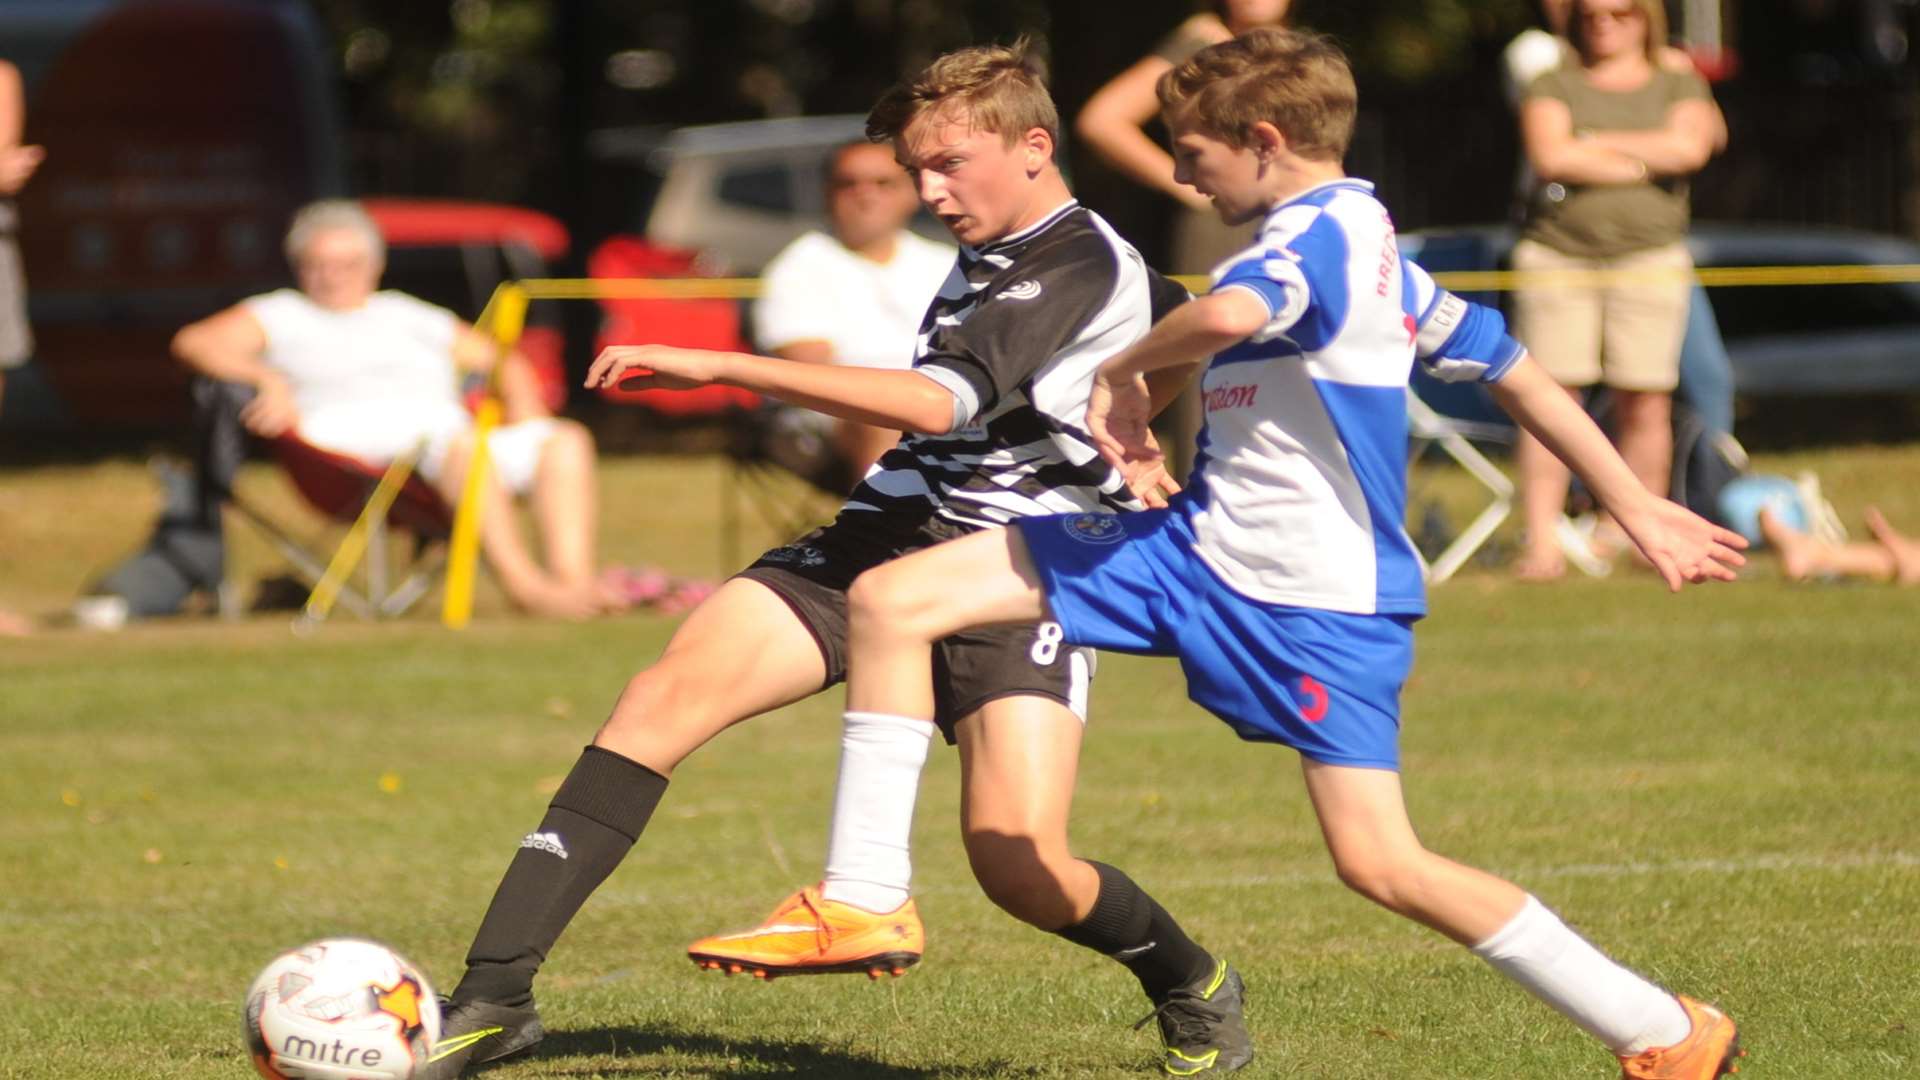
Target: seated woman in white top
<point>856,297</point>
<point>374,375</point>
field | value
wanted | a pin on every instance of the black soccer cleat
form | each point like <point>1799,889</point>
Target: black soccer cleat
<point>474,1032</point>
<point>1203,1025</point>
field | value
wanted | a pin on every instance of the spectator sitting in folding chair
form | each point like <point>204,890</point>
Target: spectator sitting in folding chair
<point>853,298</point>
<point>377,374</point>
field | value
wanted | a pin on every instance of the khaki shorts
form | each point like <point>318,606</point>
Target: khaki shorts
<point>1624,335</point>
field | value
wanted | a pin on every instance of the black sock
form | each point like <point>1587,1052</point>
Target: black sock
<point>594,818</point>
<point>1133,928</point>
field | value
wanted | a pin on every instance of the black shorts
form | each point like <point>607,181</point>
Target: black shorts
<point>971,668</point>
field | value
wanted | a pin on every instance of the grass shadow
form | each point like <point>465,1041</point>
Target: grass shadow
<point>697,1054</point>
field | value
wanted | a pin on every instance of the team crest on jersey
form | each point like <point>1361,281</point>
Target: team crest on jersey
<point>1094,528</point>
<point>1025,290</point>
<point>796,554</point>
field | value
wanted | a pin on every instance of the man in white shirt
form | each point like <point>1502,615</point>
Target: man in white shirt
<point>376,374</point>
<point>854,298</point>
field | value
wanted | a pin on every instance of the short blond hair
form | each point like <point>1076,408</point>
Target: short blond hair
<point>1297,81</point>
<point>999,88</point>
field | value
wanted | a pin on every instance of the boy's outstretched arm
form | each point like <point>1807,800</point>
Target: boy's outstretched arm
<point>1682,545</point>
<point>904,400</point>
<point>1122,403</point>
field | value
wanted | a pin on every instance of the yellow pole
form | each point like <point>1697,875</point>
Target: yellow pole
<point>504,317</point>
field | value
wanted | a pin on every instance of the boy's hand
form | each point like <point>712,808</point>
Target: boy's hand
<point>642,367</point>
<point>1117,417</point>
<point>1683,546</point>
<point>1148,478</point>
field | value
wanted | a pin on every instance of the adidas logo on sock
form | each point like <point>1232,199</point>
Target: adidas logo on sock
<point>548,842</point>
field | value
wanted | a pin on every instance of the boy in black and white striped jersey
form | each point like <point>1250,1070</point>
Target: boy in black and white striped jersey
<point>1042,293</point>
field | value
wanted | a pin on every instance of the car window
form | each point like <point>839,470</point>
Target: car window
<point>762,187</point>
<point>1753,310</point>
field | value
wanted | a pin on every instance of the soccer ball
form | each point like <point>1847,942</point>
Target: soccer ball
<point>340,1009</point>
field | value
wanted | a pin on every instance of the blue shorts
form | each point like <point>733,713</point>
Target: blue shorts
<point>1326,683</point>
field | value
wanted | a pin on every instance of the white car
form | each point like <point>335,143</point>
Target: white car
<point>739,192</point>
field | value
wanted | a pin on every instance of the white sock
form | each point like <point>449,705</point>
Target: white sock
<point>868,860</point>
<point>1556,965</point>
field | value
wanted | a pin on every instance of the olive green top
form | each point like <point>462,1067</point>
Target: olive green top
<point>1603,220</point>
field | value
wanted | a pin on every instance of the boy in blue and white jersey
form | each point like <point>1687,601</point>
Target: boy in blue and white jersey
<point>1284,579</point>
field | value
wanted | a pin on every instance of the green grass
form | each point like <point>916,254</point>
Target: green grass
<point>1722,789</point>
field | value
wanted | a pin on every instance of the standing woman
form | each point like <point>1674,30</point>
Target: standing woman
<point>1113,123</point>
<point>1612,139</point>
<point>1114,120</point>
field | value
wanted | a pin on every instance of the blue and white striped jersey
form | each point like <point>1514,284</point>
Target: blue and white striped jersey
<point>1300,496</point>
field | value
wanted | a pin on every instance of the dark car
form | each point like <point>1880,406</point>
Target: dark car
<point>1784,340</point>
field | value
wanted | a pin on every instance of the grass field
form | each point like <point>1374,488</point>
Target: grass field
<point>1722,789</point>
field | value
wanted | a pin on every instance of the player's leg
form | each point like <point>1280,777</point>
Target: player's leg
<point>896,613</point>
<point>860,918</point>
<point>1018,760</point>
<point>1363,816</point>
<point>742,652</point>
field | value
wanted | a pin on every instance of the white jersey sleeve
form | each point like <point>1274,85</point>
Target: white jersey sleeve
<point>1457,340</point>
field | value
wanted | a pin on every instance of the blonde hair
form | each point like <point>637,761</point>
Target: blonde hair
<point>999,88</point>
<point>1653,12</point>
<point>1297,81</point>
<point>334,214</point>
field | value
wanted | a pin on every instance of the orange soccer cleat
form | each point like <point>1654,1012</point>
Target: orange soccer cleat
<point>1708,1051</point>
<point>811,935</point>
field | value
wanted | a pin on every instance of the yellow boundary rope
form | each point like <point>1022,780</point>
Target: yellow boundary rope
<point>1458,280</point>
<point>506,312</point>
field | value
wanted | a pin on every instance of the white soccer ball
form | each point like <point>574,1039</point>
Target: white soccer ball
<point>340,1009</point>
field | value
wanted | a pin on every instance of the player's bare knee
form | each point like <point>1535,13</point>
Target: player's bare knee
<point>654,701</point>
<point>1386,878</point>
<point>883,602</point>
<point>1019,877</point>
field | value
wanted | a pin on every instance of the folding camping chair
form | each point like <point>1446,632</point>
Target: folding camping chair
<point>341,487</point>
<point>755,482</point>
<point>1454,436</point>
<point>1452,417</point>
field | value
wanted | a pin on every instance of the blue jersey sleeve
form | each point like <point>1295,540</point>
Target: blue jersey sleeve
<point>1458,341</point>
<point>1275,277</point>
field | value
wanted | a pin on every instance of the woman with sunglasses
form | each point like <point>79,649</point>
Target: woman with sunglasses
<point>1612,137</point>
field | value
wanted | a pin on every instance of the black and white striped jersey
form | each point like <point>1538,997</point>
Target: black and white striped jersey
<point>1016,334</point>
